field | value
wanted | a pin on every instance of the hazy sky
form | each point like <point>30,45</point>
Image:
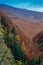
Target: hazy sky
<point>36,5</point>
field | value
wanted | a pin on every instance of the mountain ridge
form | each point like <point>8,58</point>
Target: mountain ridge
<point>23,13</point>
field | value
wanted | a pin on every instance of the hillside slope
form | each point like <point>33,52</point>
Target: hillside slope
<point>26,42</point>
<point>6,56</point>
<point>27,27</point>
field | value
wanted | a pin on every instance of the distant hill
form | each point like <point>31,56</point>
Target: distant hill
<point>22,13</point>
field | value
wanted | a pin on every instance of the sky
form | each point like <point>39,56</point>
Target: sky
<point>35,5</point>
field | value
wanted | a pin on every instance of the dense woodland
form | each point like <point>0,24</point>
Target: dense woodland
<point>10,48</point>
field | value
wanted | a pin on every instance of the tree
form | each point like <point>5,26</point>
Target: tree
<point>27,63</point>
<point>3,22</point>
<point>13,30</point>
<point>39,61</point>
<point>33,62</point>
<point>17,51</point>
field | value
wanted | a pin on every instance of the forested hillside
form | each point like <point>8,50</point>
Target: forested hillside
<point>10,48</point>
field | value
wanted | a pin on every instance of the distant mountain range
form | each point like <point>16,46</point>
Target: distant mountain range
<point>22,13</point>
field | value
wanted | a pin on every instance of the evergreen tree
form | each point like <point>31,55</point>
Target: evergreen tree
<point>13,30</point>
<point>3,22</point>
<point>17,51</point>
<point>39,61</point>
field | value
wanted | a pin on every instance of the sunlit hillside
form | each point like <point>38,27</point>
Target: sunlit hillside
<point>21,36</point>
<point>10,49</point>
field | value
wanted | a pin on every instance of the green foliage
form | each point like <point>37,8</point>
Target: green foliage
<point>3,22</point>
<point>41,39</point>
<point>19,62</point>
<point>38,61</point>
<point>41,44</point>
<point>6,57</point>
<point>13,30</point>
<point>17,51</point>
<point>27,63</point>
<point>33,62</point>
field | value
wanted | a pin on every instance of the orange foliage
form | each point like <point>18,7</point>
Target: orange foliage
<point>23,46</point>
